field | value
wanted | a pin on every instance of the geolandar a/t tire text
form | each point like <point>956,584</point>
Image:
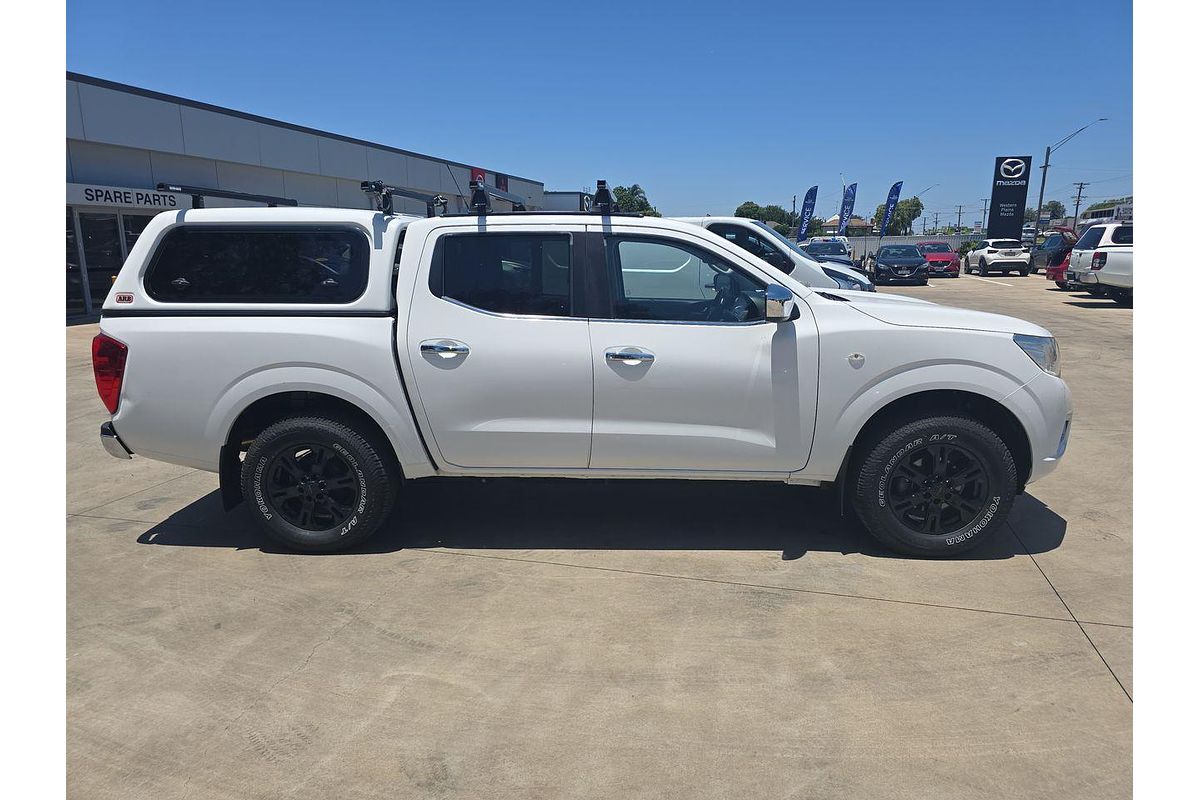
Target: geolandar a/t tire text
<point>935,487</point>
<point>317,484</point>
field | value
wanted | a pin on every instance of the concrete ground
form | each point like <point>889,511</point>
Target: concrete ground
<point>593,639</point>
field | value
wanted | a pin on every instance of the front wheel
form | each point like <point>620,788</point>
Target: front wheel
<point>317,484</point>
<point>934,487</point>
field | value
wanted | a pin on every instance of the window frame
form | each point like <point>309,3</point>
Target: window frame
<point>612,273</point>
<point>159,246</point>
<point>576,249</point>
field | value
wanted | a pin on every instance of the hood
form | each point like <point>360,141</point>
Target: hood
<point>932,315</point>
<point>901,262</point>
<point>941,256</point>
<point>859,298</point>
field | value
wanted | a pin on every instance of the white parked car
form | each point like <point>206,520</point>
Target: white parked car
<point>762,240</point>
<point>998,255</point>
<point>1102,261</point>
<point>325,361</point>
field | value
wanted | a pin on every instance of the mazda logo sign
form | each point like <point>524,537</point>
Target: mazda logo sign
<point>1012,168</point>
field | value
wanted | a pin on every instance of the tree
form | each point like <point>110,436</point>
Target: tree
<point>902,218</point>
<point>771,213</point>
<point>1055,210</point>
<point>633,198</point>
<point>783,230</point>
<point>1030,214</point>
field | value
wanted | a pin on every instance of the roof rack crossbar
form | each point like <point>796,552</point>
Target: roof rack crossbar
<point>198,194</point>
<point>482,194</point>
<point>384,193</point>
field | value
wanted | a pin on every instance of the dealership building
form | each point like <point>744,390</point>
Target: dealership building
<point>122,142</point>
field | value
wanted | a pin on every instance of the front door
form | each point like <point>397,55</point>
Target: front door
<point>500,351</point>
<point>689,375</point>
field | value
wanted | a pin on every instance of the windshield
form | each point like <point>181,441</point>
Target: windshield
<point>900,251</point>
<point>826,249</point>
<point>935,247</point>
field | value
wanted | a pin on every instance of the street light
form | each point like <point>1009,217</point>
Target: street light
<point>917,195</point>
<point>1037,220</point>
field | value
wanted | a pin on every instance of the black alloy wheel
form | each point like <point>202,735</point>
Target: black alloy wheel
<point>312,487</point>
<point>937,488</point>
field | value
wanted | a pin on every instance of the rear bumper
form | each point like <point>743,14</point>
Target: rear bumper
<point>1089,278</point>
<point>112,442</point>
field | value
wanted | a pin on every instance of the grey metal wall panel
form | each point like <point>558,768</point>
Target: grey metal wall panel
<point>106,164</point>
<point>351,195</point>
<point>342,159</point>
<point>174,168</point>
<point>287,149</point>
<point>74,112</point>
<point>207,134</point>
<point>310,190</point>
<point>130,120</point>
<point>455,180</point>
<point>391,168</point>
<point>247,178</point>
<point>426,174</point>
<point>70,171</point>
<point>532,192</point>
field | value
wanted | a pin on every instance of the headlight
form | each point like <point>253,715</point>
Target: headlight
<point>1042,349</point>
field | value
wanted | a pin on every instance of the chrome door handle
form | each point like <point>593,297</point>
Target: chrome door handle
<point>445,349</point>
<point>628,356</point>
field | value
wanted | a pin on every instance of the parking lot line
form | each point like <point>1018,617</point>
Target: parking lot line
<point>986,280</point>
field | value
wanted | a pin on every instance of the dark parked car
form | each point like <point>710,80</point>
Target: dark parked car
<point>900,263</point>
<point>1051,255</point>
<point>832,252</point>
<point>942,259</point>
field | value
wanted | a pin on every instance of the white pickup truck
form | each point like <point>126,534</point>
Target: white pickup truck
<point>1102,261</point>
<point>322,359</point>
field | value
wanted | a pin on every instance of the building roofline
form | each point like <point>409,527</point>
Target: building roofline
<point>171,98</point>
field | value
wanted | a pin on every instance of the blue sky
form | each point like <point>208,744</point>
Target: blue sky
<point>704,104</point>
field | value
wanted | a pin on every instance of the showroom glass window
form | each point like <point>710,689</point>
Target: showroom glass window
<point>76,305</point>
<point>101,251</point>
<point>506,273</point>
<point>294,264</point>
<point>653,279</point>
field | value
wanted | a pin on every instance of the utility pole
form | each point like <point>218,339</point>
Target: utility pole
<point>935,219</point>
<point>958,226</point>
<point>1037,219</point>
<point>1078,199</point>
<point>986,200</point>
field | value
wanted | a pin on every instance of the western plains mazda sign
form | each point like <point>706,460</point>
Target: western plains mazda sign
<point>1010,187</point>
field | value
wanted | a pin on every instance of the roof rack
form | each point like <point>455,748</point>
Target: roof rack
<point>198,194</point>
<point>482,194</point>
<point>603,201</point>
<point>383,195</point>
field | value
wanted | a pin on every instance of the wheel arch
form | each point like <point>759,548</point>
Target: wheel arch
<point>933,402</point>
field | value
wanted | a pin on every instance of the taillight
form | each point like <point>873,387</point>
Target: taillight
<point>1099,260</point>
<point>108,362</point>
<point>992,250</point>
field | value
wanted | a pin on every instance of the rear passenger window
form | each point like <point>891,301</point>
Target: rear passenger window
<point>1123,235</point>
<point>208,264</point>
<point>508,273</point>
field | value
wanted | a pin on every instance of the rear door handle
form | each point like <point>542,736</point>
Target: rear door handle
<point>445,348</point>
<point>629,356</point>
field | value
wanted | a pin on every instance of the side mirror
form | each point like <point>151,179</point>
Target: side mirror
<point>781,305</point>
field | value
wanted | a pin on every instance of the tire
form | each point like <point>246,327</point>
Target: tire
<point>1062,285</point>
<point>982,268</point>
<point>924,282</point>
<point>941,447</point>
<point>1123,298</point>
<point>318,485</point>
<point>1024,273</point>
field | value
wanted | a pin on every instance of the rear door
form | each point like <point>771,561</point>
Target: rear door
<point>688,373</point>
<point>499,347</point>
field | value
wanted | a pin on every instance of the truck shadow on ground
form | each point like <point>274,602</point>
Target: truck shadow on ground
<point>1086,300</point>
<point>564,514</point>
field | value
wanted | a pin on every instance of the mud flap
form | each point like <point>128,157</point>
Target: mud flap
<point>230,472</point>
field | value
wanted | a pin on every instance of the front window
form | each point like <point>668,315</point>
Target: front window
<point>653,279</point>
<point>827,249</point>
<point>899,251</point>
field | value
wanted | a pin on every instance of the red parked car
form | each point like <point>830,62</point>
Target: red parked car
<point>941,258</point>
<point>1055,254</point>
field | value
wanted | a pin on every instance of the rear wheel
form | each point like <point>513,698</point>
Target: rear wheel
<point>982,268</point>
<point>1062,284</point>
<point>317,484</point>
<point>934,487</point>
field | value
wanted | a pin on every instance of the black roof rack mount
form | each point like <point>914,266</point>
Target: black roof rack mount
<point>482,194</point>
<point>603,201</point>
<point>383,195</point>
<point>198,194</point>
